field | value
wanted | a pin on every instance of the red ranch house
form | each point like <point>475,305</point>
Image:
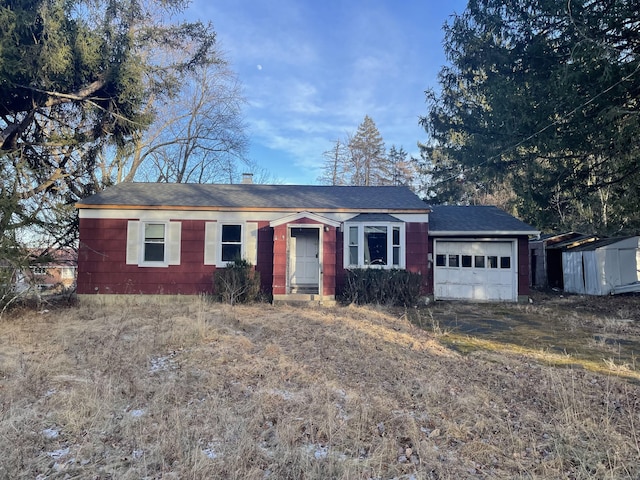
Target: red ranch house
<point>151,238</point>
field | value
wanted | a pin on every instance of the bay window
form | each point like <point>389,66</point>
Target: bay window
<point>375,245</point>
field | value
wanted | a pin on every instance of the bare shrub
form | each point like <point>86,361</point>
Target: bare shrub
<point>239,282</point>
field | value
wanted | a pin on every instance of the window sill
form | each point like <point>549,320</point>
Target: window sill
<point>153,264</point>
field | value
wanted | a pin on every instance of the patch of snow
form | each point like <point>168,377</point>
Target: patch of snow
<point>318,451</point>
<point>285,394</point>
<point>164,363</point>
<point>50,392</point>
<point>136,454</point>
<point>138,412</point>
<point>210,450</point>
<point>61,452</point>
<point>50,433</point>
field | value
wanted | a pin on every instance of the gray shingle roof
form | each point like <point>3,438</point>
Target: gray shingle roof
<point>475,219</point>
<point>375,217</point>
<point>302,197</point>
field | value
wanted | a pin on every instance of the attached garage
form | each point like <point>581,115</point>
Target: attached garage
<point>480,253</point>
<point>476,270</point>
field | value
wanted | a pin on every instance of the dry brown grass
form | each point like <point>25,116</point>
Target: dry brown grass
<point>204,390</point>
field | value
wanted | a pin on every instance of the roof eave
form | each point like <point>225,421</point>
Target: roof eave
<point>214,208</point>
<point>474,233</point>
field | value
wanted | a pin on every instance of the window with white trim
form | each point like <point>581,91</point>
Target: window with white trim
<point>375,244</point>
<point>227,242</point>
<point>231,242</point>
<point>39,271</point>
<point>67,273</point>
<point>153,243</point>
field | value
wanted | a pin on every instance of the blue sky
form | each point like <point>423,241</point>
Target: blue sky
<point>312,69</point>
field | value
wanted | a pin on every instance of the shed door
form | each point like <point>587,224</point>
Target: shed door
<point>475,270</point>
<point>629,265</point>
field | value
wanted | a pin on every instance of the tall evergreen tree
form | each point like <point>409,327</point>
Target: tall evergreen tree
<point>402,170</point>
<point>368,163</point>
<point>76,77</point>
<point>335,161</point>
<point>542,99</point>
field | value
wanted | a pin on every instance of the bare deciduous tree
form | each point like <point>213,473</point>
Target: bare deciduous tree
<point>198,137</point>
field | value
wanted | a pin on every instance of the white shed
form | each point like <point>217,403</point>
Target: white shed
<point>601,266</point>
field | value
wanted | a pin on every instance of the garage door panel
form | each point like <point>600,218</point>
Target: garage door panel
<point>476,283</point>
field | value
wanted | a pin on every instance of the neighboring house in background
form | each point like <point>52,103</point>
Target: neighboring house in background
<point>602,267</point>
<point>546,257</point>
<point>54,268</point>
<point>170,238</point>
<point>480,253</point>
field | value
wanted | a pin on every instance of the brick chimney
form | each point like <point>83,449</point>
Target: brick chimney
<point>247,178</point>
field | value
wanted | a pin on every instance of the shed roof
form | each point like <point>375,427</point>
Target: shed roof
<point>244,196</point>
<point>475,220</point>
<point>571,243</point>
<point>625,242</point>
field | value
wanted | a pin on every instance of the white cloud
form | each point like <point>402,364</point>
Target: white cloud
<point>312,71</point>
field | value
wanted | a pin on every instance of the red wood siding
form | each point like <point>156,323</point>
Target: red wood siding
<point>340,271</point>
<point>523,266</point>
<point>279,285</point>
<point>102,264</point>
<point>329,255</point>
<point>430,280</point>
<point>417,253</point>
<point>265,256</point>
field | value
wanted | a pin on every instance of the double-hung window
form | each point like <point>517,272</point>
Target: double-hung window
<point>154,242</point>
<point>375,244</point>
<point>226,242</point>
<point>231,242</point>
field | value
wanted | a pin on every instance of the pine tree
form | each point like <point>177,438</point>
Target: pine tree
<point>402,170</point>
<point>335,160</point>
<point>368,163</point>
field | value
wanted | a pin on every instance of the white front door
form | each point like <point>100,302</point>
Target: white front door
<point>304,262</point>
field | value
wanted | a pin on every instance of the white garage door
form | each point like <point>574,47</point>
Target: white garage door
<point>478,270</point>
